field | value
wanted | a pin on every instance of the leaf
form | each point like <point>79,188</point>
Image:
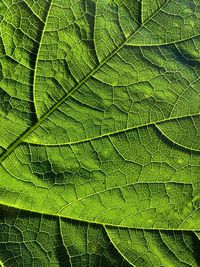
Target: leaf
<point>35,240</point>
<point>99,135</point>
<point>157,248</point>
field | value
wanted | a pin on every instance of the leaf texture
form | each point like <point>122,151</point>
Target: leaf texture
<point>99,133</point>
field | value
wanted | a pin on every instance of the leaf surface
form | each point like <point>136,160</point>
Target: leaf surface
<point>99,135</point>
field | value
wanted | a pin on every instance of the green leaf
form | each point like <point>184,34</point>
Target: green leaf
<point>99,135</point>
<point>29,239</point>
<point>157,248</point>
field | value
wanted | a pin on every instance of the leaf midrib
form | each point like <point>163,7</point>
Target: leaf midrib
<point>21,139</point>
